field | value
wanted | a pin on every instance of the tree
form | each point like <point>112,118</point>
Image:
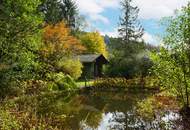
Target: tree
<point>124,62</point>
<point>94,43</point>
<point>57,38</point>
<point>59,49</point>
<point>19,40</point>
<point>72,67</point>
<point>60,10</point>
<point>129,49</point>
<point>52,11</point>
<point>172,64</point>
<point>130,30</point>
<point>69,12</point>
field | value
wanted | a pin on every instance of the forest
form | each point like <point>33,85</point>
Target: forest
<point>44,84</point>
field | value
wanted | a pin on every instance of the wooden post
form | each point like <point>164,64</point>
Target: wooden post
<point>85,81</point>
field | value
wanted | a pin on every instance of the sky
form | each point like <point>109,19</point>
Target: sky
<point>103,15</point>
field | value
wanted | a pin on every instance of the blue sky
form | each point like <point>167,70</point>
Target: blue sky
<point>103,15</point>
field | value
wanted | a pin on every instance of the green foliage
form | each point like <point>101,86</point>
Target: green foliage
<point>146,109</point>
<point>51,10</point>
<point>130,30</point>
<point>8,121</point>
<point>129,55</point>
<point>52,86</point>
<point>170,74</point>
<point>61,81</point>
<point>130,62</point>
<point>19,41</point>
<point>56,11</point>
<point>172,63</point>
<point>69,12</point>
<point>41,111</point>
<point>82,83</point>
<point>139,83</point>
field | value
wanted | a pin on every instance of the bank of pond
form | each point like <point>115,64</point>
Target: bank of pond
<point>94,108</point>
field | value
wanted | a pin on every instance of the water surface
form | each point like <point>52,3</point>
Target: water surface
<point>117,111</point>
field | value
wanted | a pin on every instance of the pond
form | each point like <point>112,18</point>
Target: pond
<point>117,111</point>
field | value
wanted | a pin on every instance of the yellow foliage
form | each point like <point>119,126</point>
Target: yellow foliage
<point>73,67</point>
<point>57,39</point>
<point>94,43</point>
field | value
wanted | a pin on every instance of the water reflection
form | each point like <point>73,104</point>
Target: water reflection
<point>115,111</point>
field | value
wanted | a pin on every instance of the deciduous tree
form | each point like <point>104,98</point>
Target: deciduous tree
<point>58,40</point>
<point>94,43</point>
<point>59,51</point>
<point>19,40</point>
<point>172,64</point>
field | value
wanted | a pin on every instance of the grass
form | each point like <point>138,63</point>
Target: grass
<point>82,83</point>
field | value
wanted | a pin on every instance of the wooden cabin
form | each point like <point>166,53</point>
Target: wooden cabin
<point>92,65</point>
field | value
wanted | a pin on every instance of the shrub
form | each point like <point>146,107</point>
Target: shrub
<point>61,81</point>
<point>36,112</point>
<point>72,67</point>
<point>8,121</point>
<point>52,86</point>
<point>147,82</point>
<point>32,87</point>
<point>110,82</point>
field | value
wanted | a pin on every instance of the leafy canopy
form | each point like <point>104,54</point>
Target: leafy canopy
<point>59,50</point>
<point>59,41</point>
<point>94,43</point>
<point>172,64</point>
<point>19,36</point>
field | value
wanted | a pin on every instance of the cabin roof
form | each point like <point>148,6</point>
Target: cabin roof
<point>88,58</point>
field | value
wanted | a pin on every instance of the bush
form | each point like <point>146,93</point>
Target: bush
<point>8,121</point>
<point>52,86</point>
<point>72,67</point>
<point>147,82</point>
<point>110,82</point>
<point>33,87</point>
<point>61,81</point>
<point>37,112</point>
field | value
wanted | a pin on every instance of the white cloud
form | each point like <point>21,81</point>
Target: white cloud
<point>94,8</point>
<point>109,3</point>
<point>156,9</point>
<point>149,9</point>
<point>89,7</point>
<point>151,39</point>
<point>113,33</point>
<point>98,17</point>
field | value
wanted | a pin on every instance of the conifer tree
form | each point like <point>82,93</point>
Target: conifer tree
<point>130,29</point>
<point>69,12</point>
<point>56,11</point>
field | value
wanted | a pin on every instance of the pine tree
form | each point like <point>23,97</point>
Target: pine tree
<point>128,48</point>
<point>51,10</point>
<point>130,29</point>
<point>69,12</point>
<point>56,11</point>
